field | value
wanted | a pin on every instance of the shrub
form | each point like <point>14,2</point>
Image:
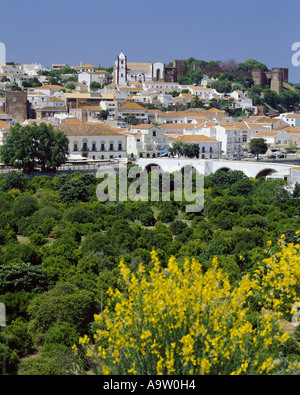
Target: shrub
<point>194,322</point>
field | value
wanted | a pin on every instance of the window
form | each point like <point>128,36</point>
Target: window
<point>111,146</point>
<point>210,149</point>
<point>94,147</point>
<point>120,146</point>
<point>84,147</point>
<point>154,133</point>
<point>102,147</point>
<point>203,149</point>
<point>75,148</point>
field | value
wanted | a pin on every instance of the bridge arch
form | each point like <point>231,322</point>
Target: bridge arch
<point>152,166</point>
<point>224,168</point>
<point>265,172</point>
<point>189,169</point>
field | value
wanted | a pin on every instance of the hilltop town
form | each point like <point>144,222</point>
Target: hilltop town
<point>152,279</point>
<point>139,110</point>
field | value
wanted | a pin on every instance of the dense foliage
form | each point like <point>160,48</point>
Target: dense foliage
<point>60,251</point>
<point>34,146</point>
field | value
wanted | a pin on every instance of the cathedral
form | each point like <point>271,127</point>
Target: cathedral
<point>126,72</point>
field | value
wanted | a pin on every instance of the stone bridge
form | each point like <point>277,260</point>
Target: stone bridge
<point>289,173</point>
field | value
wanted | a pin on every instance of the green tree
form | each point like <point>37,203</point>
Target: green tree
<point>196,76</point>
<point>222,86</point>
<point>94,86</point>
<point>74,189</point>
<point>258,146</point>
<point>252,64</point>
<point>271,98</point>
<point>296,192</point>
<point>289,99</point>
<point>70,85</point>
<point>27,147</point>
<point>25,205</point>
<point>64,303</point>
<point>103,114</point>
<point>15,180</point>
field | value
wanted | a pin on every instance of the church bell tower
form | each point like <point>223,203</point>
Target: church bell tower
<point>121,69</point>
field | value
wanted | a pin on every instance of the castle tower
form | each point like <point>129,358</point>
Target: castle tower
<point>16,105</point>
<point>121,69</point>
<point>277,80</point>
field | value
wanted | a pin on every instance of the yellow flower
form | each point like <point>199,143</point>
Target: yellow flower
<point>105,370</point>
<point>84,340</point>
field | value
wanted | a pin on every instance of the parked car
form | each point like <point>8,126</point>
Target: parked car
<point>281,155</point>
<point>272,156</point>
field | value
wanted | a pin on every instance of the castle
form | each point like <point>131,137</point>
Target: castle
<point>125,72</point>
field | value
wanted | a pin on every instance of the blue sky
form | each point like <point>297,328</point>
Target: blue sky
<point>95,31</point>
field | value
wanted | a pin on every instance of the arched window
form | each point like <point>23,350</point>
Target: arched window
<point>84,145</point>
<point>157,74</point>
<point>75,146</point>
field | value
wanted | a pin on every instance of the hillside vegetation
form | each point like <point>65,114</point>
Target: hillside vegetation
<point>74,269</point>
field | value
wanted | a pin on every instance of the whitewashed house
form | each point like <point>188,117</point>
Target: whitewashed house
<point>146,141</point>
<point>209,148</point>
<point>292,119</point>
<point>275,139</point>
<point>95,141</point>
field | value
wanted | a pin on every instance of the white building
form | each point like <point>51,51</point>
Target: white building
<point>49,90</point>
<point>33,68</point>
<point>4,128</point>
<point>111,106</point>
<point>275,139</point>
<point>209,148</point>
<point>189,117</point>
<point>146,141</point>
<point>292,119</point>
<point>134,109</point>
<point>96,141</point>
<point>126,72</point>
<point>100,76</point>
<point>241,101</point>
<point>203,93</point>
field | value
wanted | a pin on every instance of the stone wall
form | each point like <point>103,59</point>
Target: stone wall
<point>16,105</point>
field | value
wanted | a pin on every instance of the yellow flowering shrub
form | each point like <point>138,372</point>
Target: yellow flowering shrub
<point>189,321</point>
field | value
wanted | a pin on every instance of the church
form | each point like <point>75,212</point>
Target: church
<point>126,72</point>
